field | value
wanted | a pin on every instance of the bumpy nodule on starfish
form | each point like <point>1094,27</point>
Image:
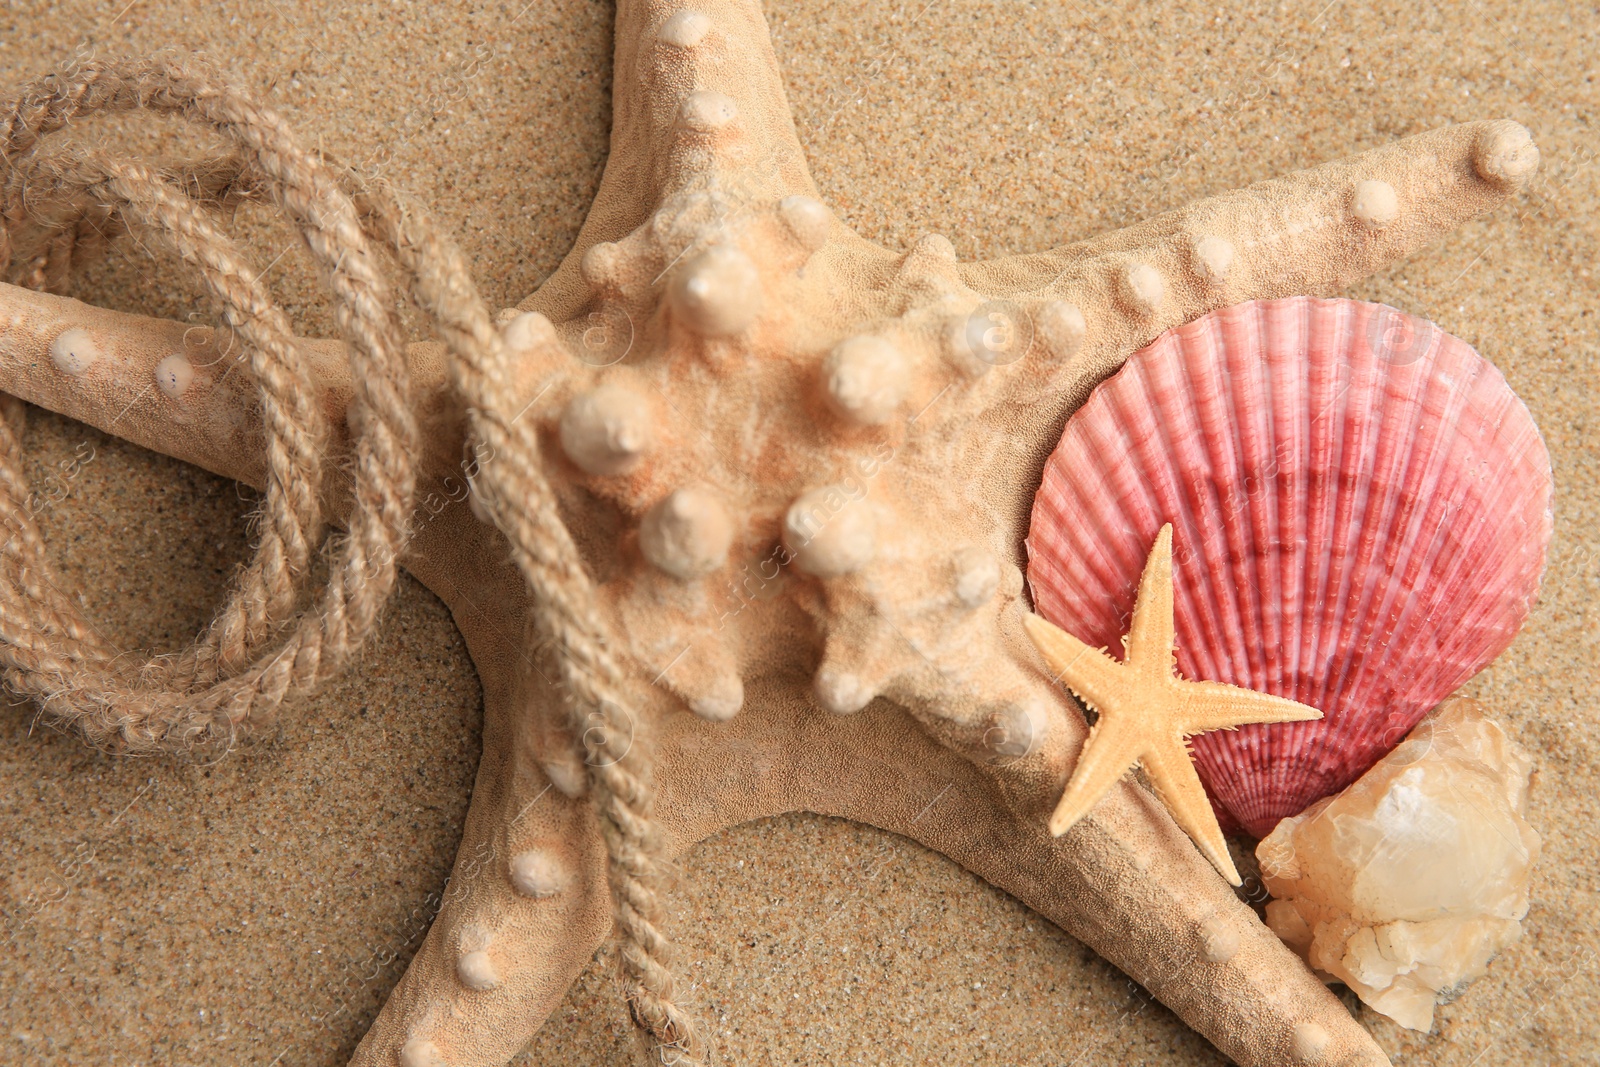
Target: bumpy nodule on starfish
<point>1147,712</point>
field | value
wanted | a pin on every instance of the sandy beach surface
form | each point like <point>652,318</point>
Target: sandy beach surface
<point>257,911</point>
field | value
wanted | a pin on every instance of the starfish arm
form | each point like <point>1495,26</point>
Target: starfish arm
<point>1219,706</point>
<point>698,100</point>
<point>211,424</point>
<point>1127,883</point>
<point>213,420</point>
<point>1088,672</point>
<point>1171,771</point>
<point>1125,880</point>
<point>1113,747</point>
<point>1150,634</point>
<point>1314,232</point>
<point>524,909</point>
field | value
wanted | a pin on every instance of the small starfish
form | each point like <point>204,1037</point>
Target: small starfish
<point>1147,712</point>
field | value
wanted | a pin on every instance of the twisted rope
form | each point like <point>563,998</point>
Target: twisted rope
<point>523,505</point>
<point>47,230</point>
<point>231,674</point>
<point>266,592</point>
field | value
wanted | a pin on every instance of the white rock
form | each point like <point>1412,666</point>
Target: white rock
<point>1408,883</point>
<point>567,775</point>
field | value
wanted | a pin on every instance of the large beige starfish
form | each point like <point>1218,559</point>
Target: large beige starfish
<point>1147,712</point>
<point>799,467</point>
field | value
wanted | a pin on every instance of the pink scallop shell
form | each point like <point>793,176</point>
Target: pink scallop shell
<point>1360,510</point>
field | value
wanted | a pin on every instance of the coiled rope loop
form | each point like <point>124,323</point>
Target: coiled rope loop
<point>258,653</point>
<point>237,670</point>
